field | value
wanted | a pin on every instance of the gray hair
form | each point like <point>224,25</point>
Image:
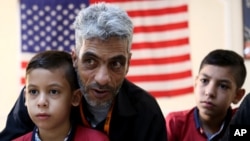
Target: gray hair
<point>102,21</point>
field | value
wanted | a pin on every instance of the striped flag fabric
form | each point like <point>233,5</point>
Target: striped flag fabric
<point>160,51</point>
<point>160,60</point>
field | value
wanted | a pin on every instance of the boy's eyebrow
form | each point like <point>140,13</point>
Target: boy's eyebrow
<point>220,80</point>
<point>30,85</point>
<point>203,74</point>
<point>50,85</point>
<point>55,85</point>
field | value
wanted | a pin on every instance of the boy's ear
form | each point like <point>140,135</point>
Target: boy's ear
<point>76,98</point>
<point>239,95</point>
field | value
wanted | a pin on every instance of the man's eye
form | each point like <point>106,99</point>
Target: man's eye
<point>116,65</point>
<point>89,63</point>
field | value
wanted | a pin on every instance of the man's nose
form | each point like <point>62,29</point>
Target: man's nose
<point>102,76</point>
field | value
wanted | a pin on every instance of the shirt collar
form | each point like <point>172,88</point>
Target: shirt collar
<point>196,118</point>
<point>222,128</point>
<point>37,138</point>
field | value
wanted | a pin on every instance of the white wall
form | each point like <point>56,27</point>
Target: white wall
<point>213,24</point>
<point>9,51</point>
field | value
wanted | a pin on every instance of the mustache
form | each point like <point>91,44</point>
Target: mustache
<point>101,87</point>
<point>94,85</point>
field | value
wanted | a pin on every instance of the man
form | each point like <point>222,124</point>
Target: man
<point>110,102</point>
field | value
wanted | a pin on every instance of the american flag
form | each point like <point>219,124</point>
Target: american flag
<point>160,51</point>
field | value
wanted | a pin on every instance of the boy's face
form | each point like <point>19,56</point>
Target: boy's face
<point>101,67</point>
<point>48,98</point>
<point>215,89</point>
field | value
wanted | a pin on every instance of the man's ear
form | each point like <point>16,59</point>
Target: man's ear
<point>76,98</point>
<point>239,95</point>
<point>74,57</point>
<point>129,59</point>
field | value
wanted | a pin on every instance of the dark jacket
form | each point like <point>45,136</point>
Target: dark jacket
<point>136,117</point>
<point>241,118</point>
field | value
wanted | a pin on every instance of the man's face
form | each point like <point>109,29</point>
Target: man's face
<point>101,67</point>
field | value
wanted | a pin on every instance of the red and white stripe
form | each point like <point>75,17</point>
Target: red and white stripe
<point>160,52</point>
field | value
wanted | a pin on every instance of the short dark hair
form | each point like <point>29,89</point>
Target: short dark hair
<point>54,60</point>
<point>227,58</point>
